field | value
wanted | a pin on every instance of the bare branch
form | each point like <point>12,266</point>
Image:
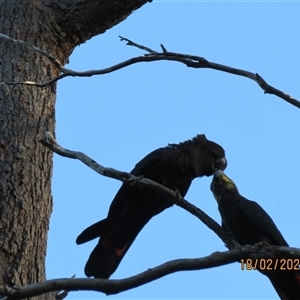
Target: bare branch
<point>142,182</point>
<point>200,62</point>
<point>163,48</point>
<point>131,43</point>
<point>191,61</point>
<point>109,287</point>
<point>60,295</point>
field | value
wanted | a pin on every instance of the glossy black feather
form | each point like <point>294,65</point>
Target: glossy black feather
<point>251,224</point>
<point>92,232</point>
<point>174,166</point>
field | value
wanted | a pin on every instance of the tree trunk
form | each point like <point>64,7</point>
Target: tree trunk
<point>26,112</point>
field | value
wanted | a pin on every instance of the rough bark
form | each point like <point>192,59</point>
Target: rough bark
<point>27,112</point>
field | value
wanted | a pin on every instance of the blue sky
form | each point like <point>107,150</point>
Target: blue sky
<point>119,118</point>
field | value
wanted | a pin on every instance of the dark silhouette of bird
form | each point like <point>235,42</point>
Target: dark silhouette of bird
<point>174,166</point>
<point>249,223</point>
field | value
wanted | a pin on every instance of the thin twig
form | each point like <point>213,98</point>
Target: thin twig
<point>191,61</point>
<point>60,295</point>
<point>131,43</point>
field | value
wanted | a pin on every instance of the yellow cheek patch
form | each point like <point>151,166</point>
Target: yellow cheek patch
<point>229,184</point>
<point>226,179</point>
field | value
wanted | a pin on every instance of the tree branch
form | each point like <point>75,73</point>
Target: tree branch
<point>200,62</point>
<point>258,251</point>
<point>109,287</point>
<point>191,61</point>
<point>142,182</point>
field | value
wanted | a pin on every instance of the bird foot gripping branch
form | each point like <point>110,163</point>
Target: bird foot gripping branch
<point>178,198</point>
<point>135,181</point>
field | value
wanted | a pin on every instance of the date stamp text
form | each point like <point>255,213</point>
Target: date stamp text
<point>280,264</point>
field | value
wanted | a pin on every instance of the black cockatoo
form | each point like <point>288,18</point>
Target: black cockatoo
<point>174,166</point>
<point>249,223</point>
